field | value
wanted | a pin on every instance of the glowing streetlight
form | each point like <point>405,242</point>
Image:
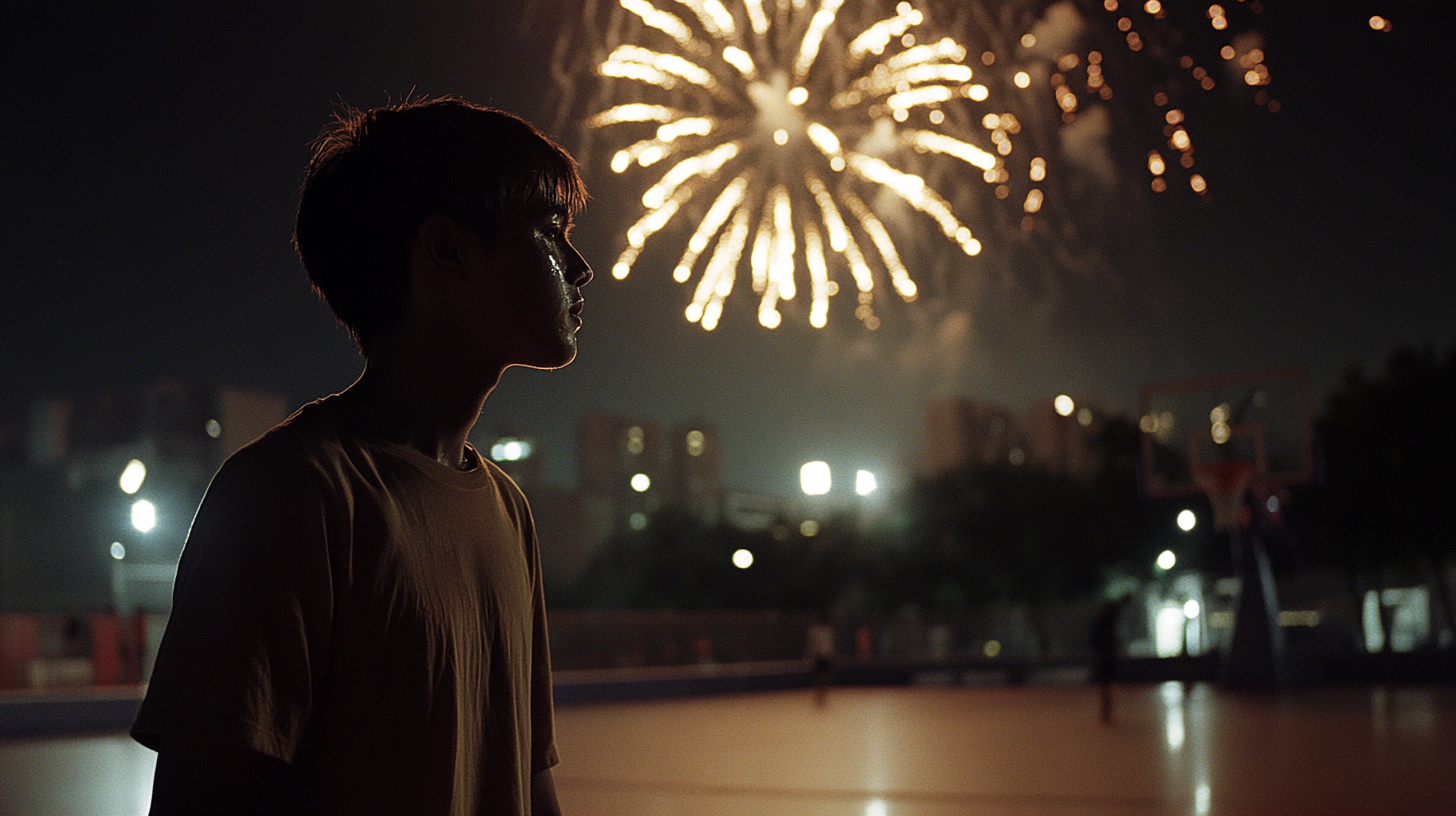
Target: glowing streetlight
<point>118,550</point>
<point>864,482</point>
<point>144,515</point>
<point>640,482</point>
<point>132,476</point>
<point>1166,560</point>
<point>1187,520</point>
<point>1191,609</point>
<point>1064,405</point>
<point>742,559</point>
<point>814,478</point>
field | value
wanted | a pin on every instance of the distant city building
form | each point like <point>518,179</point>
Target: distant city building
<point>629,471</point>
<point>1062,432</point>
<point>1057,433</point>
<point>960,432</point>
<point>559,514</point>
<point>622,464</point>
<point>697,469</point>
<point>514,451</point>
<point>95,513</point>
<point>754,512</point>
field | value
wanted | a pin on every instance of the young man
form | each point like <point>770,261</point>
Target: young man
<point>357,623</point>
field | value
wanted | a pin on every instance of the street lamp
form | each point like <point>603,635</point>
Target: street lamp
<point>814,478</point>
<point>132,477</point>
<point>864,482</point>
<point>1187,521</point>
<point>144,515</point>
<point>1166,560</point>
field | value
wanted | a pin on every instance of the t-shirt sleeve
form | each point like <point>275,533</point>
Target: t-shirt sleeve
<point>247,640</point>
<point>543,718</point>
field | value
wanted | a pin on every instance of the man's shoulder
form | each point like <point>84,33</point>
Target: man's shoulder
<point>308,443</point>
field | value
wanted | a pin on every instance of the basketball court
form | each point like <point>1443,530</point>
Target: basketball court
<point>927,751</point>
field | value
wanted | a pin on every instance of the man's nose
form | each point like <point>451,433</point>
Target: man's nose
<point>582,272</point>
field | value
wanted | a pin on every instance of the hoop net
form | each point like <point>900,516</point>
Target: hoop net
<point>1225,483</point>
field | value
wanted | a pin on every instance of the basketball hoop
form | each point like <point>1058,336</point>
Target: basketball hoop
<point>1224,482</point>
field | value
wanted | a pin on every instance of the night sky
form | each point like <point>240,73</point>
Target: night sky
<point>152,156</point>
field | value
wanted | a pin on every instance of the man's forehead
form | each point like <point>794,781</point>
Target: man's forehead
<point>538,207</point>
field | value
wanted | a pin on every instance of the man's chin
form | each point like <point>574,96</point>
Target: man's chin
<point>551,359</point>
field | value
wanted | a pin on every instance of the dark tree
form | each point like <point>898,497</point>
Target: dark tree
<point>1388,444</point>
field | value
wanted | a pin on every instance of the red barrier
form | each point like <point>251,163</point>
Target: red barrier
<point>17,648</point>
<point>106,649</point>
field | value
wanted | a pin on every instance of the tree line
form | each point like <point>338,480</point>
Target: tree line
<point>999,533</point>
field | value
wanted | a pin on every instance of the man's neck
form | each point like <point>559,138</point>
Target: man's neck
<point>421,401</point>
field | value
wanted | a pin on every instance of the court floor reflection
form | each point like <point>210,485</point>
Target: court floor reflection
<point>927,752</point>
<point>930,751</point>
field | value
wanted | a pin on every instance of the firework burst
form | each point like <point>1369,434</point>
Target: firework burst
<point>794,131</point>
<point>805,144</point>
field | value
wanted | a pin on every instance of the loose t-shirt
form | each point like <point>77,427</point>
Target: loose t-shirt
<point>367,615</point>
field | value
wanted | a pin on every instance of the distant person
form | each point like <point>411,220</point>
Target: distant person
<point>358,623</point>
<point>1107,650</point>
<point>819,646</point>
<point>864,642</point>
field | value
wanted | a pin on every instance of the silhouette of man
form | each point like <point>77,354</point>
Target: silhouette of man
<point>819,647</point>
<point>358,623</point>
<point>1106,649</point>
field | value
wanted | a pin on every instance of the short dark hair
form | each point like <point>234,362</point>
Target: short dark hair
<point>375,175</point>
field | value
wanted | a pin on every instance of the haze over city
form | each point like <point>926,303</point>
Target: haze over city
<point>154,154</point>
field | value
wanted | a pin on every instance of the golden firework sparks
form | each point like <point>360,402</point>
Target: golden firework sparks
<point>783,126</point>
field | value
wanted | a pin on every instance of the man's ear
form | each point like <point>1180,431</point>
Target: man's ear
<point>439,244</point>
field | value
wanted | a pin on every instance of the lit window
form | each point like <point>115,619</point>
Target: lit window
<point>118,550</point>
<point>696,442</point>
<point>132,476</point>
<point>638,521</point>
<point>809,528</point>
<point>1221,433</point>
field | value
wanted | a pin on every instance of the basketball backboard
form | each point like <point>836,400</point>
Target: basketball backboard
<point>1261,418</point>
